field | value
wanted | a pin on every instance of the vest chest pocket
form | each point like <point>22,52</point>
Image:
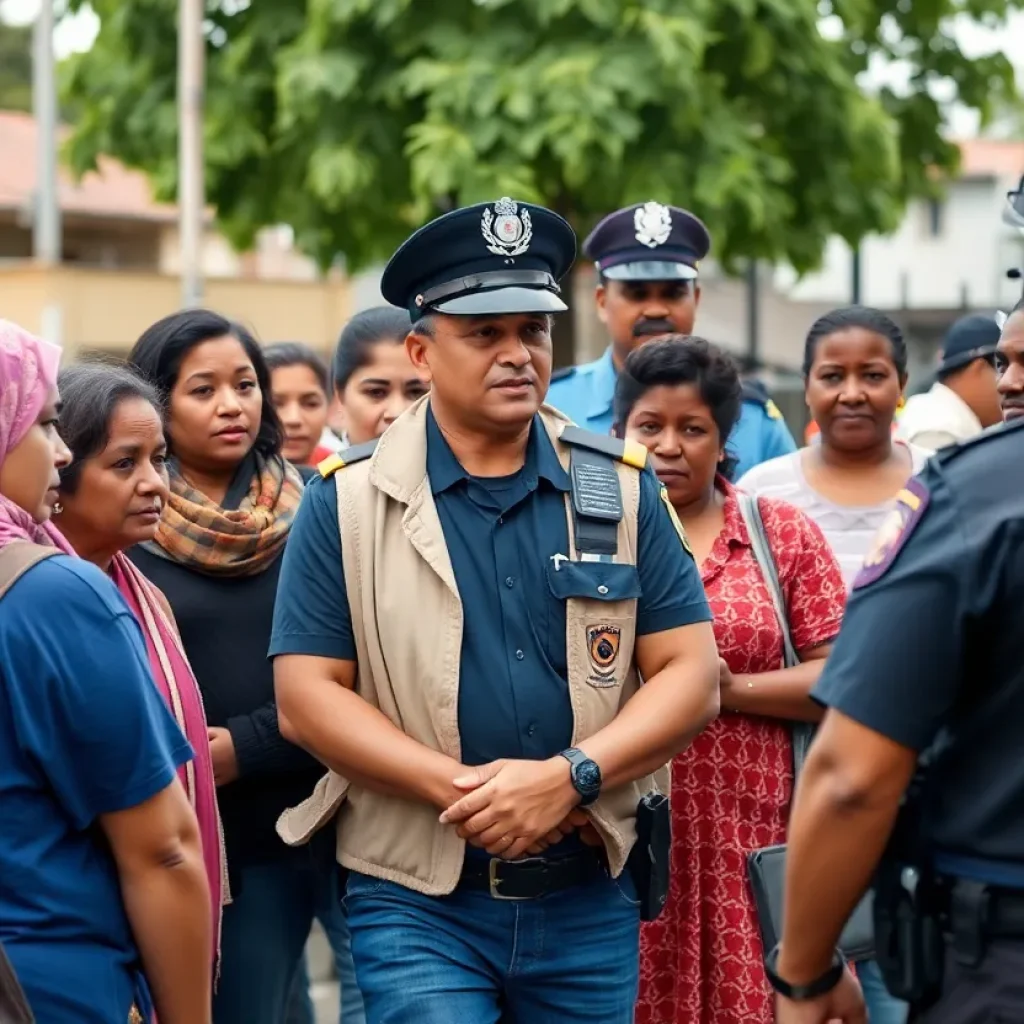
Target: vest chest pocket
<point>600,616</point>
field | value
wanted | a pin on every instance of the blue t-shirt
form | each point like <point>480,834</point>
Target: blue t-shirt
<point>83,732</point>
<point>502,535</point>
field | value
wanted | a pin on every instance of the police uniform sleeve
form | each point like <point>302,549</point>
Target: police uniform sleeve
<point>777,440</point>
<point>672,594</point>
<point>898,662</point>
<point>311,614</point>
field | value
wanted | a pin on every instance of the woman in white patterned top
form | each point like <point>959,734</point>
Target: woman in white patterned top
<point>855,370</point>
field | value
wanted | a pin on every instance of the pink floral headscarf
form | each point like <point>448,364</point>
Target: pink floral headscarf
<point>28,369</point>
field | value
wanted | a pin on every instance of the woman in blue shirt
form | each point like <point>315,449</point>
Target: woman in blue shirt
<point>104,905</point>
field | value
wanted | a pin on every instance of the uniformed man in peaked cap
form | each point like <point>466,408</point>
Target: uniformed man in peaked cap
<point>465,612</point>
<point>648,257</point>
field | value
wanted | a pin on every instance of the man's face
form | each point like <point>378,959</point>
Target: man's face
<point>1010,368</point>
<point>637,311</point>
<point>489,373</point>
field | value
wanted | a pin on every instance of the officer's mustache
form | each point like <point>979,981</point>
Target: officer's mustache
<point>646,328</point>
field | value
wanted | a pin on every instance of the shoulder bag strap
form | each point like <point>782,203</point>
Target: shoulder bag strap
<point>803,732</point>
<point>17,558</point>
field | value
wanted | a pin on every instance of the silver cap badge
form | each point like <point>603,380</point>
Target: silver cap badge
<point>506,231</point>
<point>653,224</point>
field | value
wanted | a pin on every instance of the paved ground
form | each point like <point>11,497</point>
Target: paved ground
<point>321,973</point>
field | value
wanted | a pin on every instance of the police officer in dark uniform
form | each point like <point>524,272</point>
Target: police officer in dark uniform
<point>463,619</point>
<point>929,669</point>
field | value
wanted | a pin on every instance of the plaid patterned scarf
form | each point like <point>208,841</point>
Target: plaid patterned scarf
<point>194,531</point>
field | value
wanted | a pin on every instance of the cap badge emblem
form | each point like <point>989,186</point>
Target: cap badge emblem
<point>653,224</point>
<point>506,231</point>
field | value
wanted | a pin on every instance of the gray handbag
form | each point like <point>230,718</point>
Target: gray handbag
<point>767,868</point>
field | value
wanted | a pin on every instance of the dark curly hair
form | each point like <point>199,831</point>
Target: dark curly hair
<point>161,349</point>
<point>678,359</point>
<point>848,318</point>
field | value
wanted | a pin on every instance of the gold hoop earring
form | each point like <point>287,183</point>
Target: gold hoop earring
<point>901,404</point>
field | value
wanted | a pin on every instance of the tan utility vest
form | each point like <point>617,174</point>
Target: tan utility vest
<point>407,619</point>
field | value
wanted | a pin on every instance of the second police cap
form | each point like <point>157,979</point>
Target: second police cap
<point>971,337</point>
<point>648,242</point>
<point>488,259</point>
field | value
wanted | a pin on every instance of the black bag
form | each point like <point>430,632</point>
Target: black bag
<point>767,868</point>
<point>14,1008</point>
<point>648,862</point>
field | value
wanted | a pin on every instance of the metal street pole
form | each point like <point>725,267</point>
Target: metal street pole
<point>191,192</point>
<point>46,219</point>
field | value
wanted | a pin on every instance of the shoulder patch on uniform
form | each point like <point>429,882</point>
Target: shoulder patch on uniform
<point>346,457</point>
<point>632,453</point>
<point>674,516</point>
<point>898,525</point>
<point>773,410</point>
<point>563,374</point>
<point>754,391</point>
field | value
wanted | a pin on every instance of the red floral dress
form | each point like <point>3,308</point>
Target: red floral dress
<point>700,962</point>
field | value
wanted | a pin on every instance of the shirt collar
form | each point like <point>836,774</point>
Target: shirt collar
<point>445,470</point>
<point>602,389</point>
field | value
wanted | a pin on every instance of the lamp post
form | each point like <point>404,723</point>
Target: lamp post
<point>191,192</point>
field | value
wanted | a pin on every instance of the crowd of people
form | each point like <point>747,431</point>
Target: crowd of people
<point>443,758</point>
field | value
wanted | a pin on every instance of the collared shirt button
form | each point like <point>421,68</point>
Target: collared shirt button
<point>531,729</point>
<point>520,655</point>
<point>602,589</point>
<point>509,581</point>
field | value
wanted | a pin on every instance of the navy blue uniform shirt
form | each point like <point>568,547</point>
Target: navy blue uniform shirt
<point>932,645</point>
<point>501,534</point>
<point>83,732</point>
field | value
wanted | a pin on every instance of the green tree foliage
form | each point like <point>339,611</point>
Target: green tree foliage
<point>15,67</point>
<point>355,120</point>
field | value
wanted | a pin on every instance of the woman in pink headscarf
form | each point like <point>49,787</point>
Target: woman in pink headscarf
<point>108,930</point>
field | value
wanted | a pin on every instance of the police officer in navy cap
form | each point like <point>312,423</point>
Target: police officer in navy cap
<point>963,401</point>
<point>647,258</point>
<point>925,695</point>
<point>465,611</point>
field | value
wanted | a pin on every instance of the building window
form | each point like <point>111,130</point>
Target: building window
<point>935,218</point>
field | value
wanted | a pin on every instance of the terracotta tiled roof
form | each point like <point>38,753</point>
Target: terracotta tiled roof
<point>112,191</point>
<point>991,158</point>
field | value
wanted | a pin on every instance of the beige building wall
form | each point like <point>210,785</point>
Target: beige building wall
<point>108,310</point>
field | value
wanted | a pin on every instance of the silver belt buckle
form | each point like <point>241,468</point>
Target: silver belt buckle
<point>495,881</point>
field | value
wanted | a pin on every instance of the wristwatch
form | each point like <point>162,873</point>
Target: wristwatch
<point>801,993</point>
<point>585,775</point>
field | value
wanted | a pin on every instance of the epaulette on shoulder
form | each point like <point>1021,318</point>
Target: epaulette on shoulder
<point>346,457</point>
<point>563,374</point>
<point>988,435</point>
<point>632,453</point>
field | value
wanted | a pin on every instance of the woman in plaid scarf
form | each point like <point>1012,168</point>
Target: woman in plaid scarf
<point>216,556</point>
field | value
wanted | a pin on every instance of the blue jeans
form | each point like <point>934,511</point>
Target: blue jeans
<point>265,931</point>
<point>570,956</point>
<point>331,915</point>
<point>883,1008</point>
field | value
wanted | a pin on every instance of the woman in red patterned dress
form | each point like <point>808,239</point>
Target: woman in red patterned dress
<point>701,960</point>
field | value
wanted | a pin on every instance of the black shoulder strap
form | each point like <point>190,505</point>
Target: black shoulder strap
<point>596,493</point>
<point>632,453</point>
<point>347,457</point>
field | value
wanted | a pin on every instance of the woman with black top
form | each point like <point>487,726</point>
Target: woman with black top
<point>216,556</point>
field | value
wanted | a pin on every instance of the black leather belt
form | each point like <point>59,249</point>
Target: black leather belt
<point>1004,914</point>
<point>533,877</point>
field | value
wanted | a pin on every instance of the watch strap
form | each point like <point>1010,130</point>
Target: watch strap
<point>812,990</point>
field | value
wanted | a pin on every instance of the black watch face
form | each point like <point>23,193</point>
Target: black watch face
<point>588,776</point>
